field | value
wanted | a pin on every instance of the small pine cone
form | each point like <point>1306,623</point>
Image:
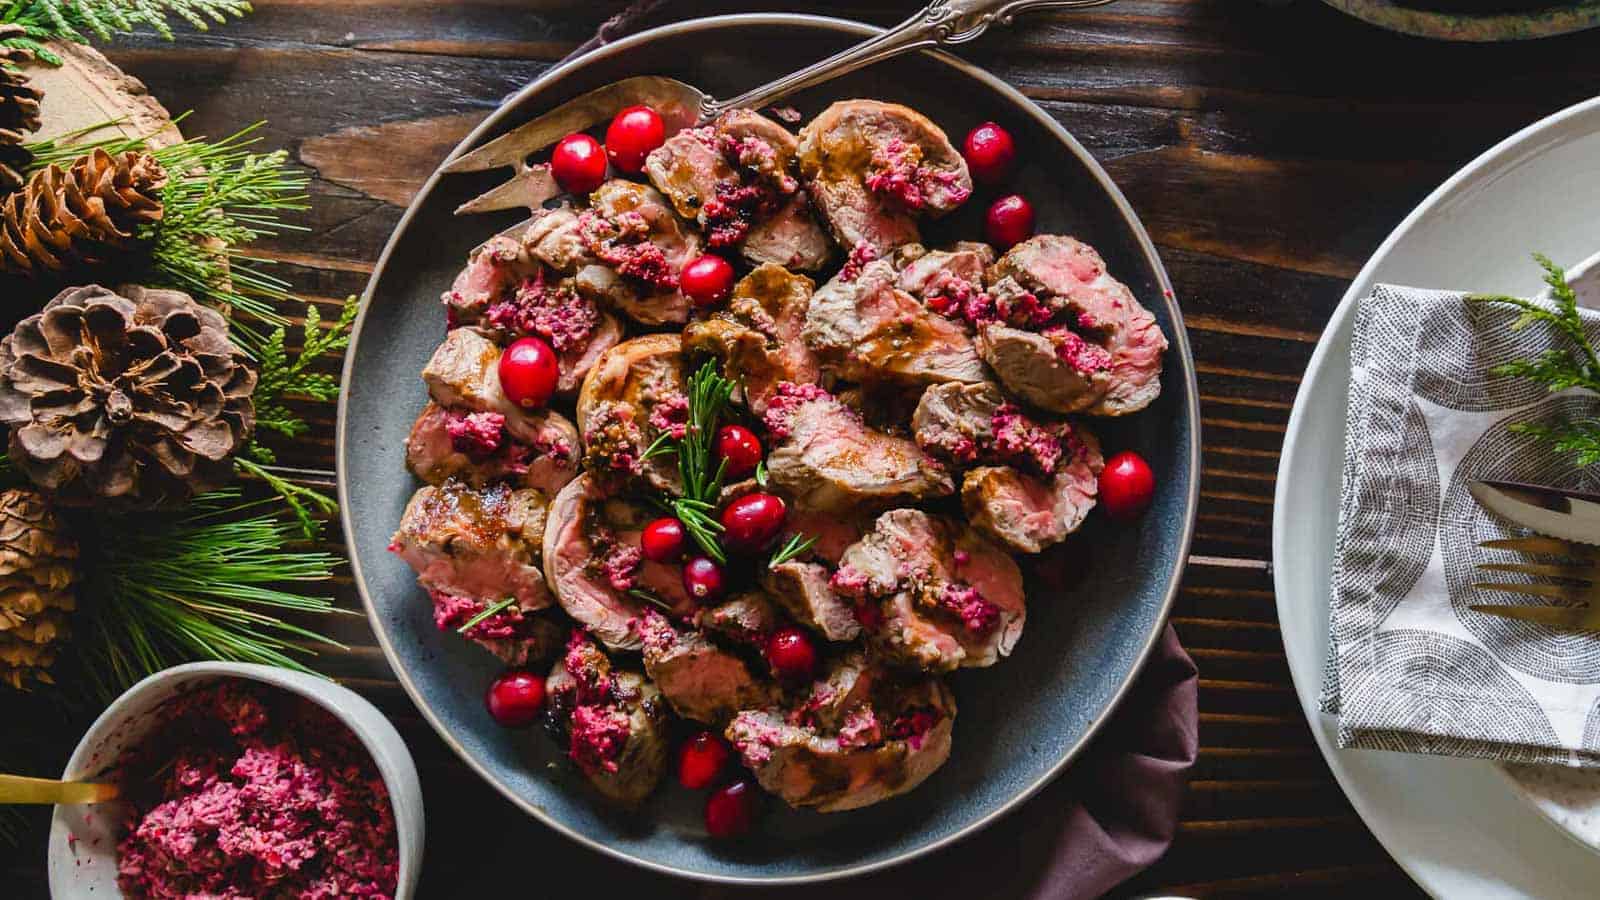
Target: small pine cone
<point>19,110</point>
<point>36,580</point>
<point>135,396</point>
<point>81,217</point>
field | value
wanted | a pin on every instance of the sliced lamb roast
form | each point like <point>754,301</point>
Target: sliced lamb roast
<point>942,278</point>
<point>634,393</point>
<point>1082,342</point>
<point>802,589</point>
<point>872,168</point>
<point>858,739</point>
<point>1035,481</point>
<point>592,561</point>
<point>702,681</point>
<point>614,722</point>
<point>482,544</point>
<point>463,375</point>
<point>745,619</point>
<point>946,595</point>
<point>870,330</point>
<point>477,448</point>
<point>736,179</point>
<point>555,239</point>
<point>824,457</point>
<point>757,335</point>
<point>494,269</point>
<point>624,251</point>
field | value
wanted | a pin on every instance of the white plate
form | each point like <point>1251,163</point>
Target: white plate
<point>1457,826</point>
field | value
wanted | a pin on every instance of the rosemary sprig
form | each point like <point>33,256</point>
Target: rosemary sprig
<point>795,546</point>
<point>487,613</point>
<point>708,395</point>
<point>74,20</point>
<point>649,597</point>
<point>1576,366</point>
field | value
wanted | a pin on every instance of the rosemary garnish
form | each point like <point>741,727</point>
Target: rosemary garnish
<point>1575,367</point>
<point>708,396</point>
<point>649,597</point>
<point>487,613</point>
<point>761,473</point>
<point>796,545</point>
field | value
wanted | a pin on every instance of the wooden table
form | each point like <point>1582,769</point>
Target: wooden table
<point>1268,148</point>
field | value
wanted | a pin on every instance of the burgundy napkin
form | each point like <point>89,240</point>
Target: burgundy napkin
<point>1110,816</point>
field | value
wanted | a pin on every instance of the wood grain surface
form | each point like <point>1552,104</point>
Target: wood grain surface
<point>1268,148</point>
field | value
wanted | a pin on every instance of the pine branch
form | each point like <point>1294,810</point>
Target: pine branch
<point>78,20</point>
<point>305,503</point>
<point>1579,439</point>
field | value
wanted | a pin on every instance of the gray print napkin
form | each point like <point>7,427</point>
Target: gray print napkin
<point>1410,666</point>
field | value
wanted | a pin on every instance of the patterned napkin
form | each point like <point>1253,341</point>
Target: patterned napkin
<point>1410,666</point>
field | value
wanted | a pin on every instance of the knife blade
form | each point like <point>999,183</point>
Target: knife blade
<point>1569,515</point>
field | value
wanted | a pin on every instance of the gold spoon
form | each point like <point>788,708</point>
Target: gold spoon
<point>22,789</point>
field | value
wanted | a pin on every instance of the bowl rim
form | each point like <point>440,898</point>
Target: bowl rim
<point>1178,340</point>
<point>301,684</point>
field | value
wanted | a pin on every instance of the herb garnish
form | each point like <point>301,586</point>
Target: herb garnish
<point>708,396</point>
<point>1577,366</point>
<point>796,545</point>
<point>649,597</point>
<point>486,614</point>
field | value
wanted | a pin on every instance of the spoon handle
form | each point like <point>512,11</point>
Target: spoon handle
<point>941,23</point>
<point>21,789</point>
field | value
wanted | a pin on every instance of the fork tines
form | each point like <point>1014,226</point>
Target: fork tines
<point>1577,574</point>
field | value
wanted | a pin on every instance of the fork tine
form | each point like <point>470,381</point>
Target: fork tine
<point>1547,546</point>
<point>1553,616</point>
<point>1572,573</point>
<point>1548,591</point>
<point>529,188</point>
<point>669,97</point>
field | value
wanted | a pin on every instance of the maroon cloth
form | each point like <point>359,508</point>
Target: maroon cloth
<point>1111,815</point>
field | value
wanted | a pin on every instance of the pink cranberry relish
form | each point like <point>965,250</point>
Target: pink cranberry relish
<point>788,399</point>
<point>478,434</point>
<point>554,312</point>
<point>896,171</point>
<point>1076,352</point>
<point>976,613</point>
<point>861,254</point>
<point>245,791</point>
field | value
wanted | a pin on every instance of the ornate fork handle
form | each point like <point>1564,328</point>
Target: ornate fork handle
<point>939,24</point>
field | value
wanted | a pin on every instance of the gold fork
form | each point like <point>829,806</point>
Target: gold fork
<point>1578,583</point>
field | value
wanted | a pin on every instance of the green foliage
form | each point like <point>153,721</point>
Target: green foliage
<point>1576,366</point>
<point>282,377</point>
<point>209,582</point>
<point>709,393</point>
<point>77,20</point>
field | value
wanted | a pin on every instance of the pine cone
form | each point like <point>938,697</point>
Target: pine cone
<point>19,110</point>
<point>36,578</point>
<point>134,395</point>
<point>83,216</point>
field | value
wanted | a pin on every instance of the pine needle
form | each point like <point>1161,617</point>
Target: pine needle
<point>1576,366</point>
<point>77,20</point>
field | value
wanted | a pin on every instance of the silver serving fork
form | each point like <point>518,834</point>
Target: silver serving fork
<point>941,23</point>
<point>1576,582</point>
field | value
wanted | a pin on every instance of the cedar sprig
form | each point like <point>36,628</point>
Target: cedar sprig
<point>211,582</point>
<point>282,376</point>
<point>1558,369</point>
<point>76,20</point>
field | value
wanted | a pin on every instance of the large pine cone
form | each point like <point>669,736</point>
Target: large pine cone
<point>19,110</point>
<point>83,216</point>
<point>140,398</point>
<point>36,578</point>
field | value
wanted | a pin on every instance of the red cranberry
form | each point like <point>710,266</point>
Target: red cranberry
<point>707,280</point>
<point>1010,221</point>
<point>702,578</point>
<point>730,811</point>
<point>579,163</point>
<point>515,698</point>
<point>989,152</point>
<point>528,373</point>
<point>701,760</point>
<point>1126,486</point>
<point>749,522</point>
<point>791,654</point>
<point>663,540</point>
<point>632,135</point>
<point>741,448</point>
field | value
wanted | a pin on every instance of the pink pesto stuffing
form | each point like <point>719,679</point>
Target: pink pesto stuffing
<point>977,614</point>
<point>597,735</point>
<point>1082,356</point>
<point>861,254</point>
<point>582,661</point>
<point>912,727</point>
<point>554,312</point>
<point>785,401</point>
<point>671,416</point>
<point>280,800</point>
<point>893,173</point>
<point>622,242</point>
<point>479,434</point>
<point>860,729</point>
<point>451,612</point>
<point>621,566</point>
<point>729,214</point>
<point>1021,440</point>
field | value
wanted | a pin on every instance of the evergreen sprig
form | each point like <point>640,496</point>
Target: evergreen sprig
<point>1558,369</point>
<point>282,376</point>
<point>210,582</point>
<point>77,20</point>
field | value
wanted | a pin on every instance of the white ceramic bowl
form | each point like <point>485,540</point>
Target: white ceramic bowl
<point>83,839</point>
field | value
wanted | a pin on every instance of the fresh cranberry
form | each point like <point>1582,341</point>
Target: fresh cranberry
<point>707,280</point>
<point>702,578</point>
<point>632,135</point>
<point>741,448</point>
<point>1010,221</point>
<point>731,810</point>
<point>1126,486</point>
<point>528,373</point>
<point>701,760</point>
<point>663,540</point>
<point>515,698</point>
<point>751,521</point>
<point>990,152</point>
<point>791,654</point>
<point>579,163</point>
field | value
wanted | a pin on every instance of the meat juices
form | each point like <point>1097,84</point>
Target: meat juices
<point>242,790</point>
<point>757,336</point>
